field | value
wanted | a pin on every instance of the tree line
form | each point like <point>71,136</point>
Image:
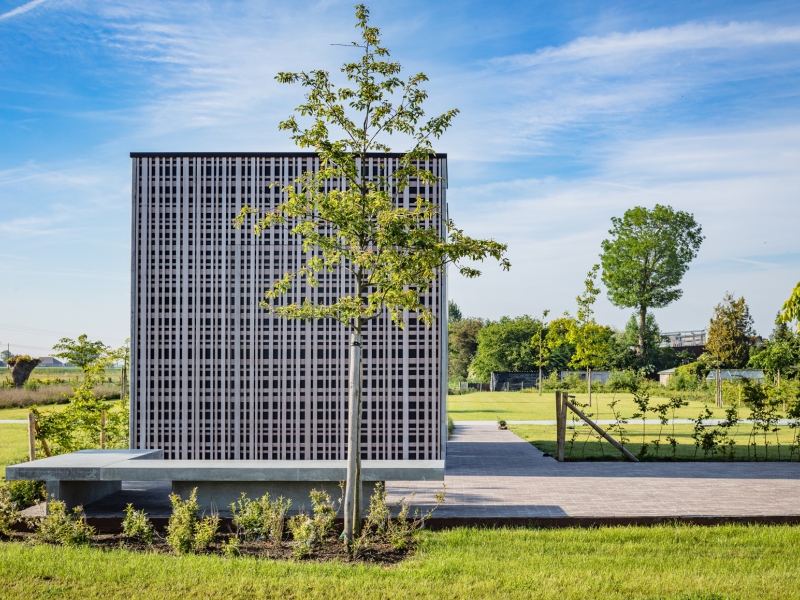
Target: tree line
<point>641,264</point>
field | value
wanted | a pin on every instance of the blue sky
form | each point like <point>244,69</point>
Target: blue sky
<point>571,112</point>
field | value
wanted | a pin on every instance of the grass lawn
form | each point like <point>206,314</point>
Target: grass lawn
<point>681,563</point>
<point>582,442</point>
<point>13,444</point>
<point>524,406</point>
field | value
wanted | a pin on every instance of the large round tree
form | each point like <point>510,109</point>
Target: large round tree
<point>646,258</point>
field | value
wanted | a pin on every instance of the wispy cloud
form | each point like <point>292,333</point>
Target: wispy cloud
<point>21,9</point>
<point>686,37</point>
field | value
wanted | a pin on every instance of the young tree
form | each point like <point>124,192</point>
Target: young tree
<point>462,345</point>
<point>730,335</point>
<point>82,353</point>
<point>646,258</point>
<point>591,340</point>
<point>538,343</point>
<point>389,253</point>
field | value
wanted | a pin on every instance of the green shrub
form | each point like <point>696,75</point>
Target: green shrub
<point>451,427</point>
<point>686,378</point>
<point>380,527</point>
<point>27,492</point>
<point>61,526</point>
<point>30,385</point>
<point>260,519</point>
<point>501,424</point>
<point>136,525</point>
<point>9,510</point>
<point>308,532</point>
<point>186,532</point>
<point>230,547</point>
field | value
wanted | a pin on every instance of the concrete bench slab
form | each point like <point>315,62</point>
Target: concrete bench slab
<point>82,477</point>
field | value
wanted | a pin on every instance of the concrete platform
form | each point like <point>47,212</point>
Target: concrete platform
<point>82,477</point>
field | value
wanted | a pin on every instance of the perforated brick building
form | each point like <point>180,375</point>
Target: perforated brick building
<point>216,377</point>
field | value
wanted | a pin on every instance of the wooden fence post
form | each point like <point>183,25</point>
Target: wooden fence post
<point>31,436</point>
<point>561,420</point>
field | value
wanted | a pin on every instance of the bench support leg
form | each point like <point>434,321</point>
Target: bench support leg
<point>80,493</point>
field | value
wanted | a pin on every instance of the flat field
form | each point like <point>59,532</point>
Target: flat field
<point>525,406</point>
<point>665,562</point>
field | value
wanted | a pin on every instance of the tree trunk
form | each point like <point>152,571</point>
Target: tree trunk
<point>640,350</point>
<point>352,494</point>
<point>589,383</point>
<point>540,380</point>
<point>719,387</point>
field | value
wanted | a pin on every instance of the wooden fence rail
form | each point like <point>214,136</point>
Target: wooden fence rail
<point>562,404</point>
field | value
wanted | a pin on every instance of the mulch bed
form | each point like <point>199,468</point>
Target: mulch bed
<point>329,551</point>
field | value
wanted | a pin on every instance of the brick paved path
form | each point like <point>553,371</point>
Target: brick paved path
<point>496,474</point>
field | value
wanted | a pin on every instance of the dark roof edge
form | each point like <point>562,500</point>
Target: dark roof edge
<point>256,154</point>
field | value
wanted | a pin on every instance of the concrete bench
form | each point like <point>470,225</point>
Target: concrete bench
<point>82,477</point>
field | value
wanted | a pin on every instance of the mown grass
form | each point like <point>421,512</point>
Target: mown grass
<point>13,444</point>
<point>665,562</point>
<point>583,443</point>
<point>524,406</point>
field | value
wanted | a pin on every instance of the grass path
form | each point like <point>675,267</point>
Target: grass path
<point>680,563</point>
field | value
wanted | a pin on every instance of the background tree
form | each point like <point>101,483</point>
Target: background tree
<point>730,335</point>
<point>775,358</point>
<point>646,258</point>
<point>791,308</point>
<point>656,357</point>
<point>5,355</point>
<point>390,254</point>
<point>82,353</point>
<point>21,368</point>
<point>462,345</point>
<point>590,339</point>
<point>453,312</point>
<point>559,345</point>
<point>505,345</point>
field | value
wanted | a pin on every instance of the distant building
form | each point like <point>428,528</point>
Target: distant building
<point>597,376</point>
<point>737,375</point>
<point>693,342</point>
<point>49,361</point>
<point>663,376</point>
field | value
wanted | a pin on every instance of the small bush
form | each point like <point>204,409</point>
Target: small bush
<point>136,525</point>
<point>9,510</point>
<point>230,547</point>
<point>186,532</point>
<point>380,527</point>
<point>260,519</point>
<point>27,492</point>
<point>308,532</point>
<point>61,526</point>
<point>451,427</point>
<point>501,424</point>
